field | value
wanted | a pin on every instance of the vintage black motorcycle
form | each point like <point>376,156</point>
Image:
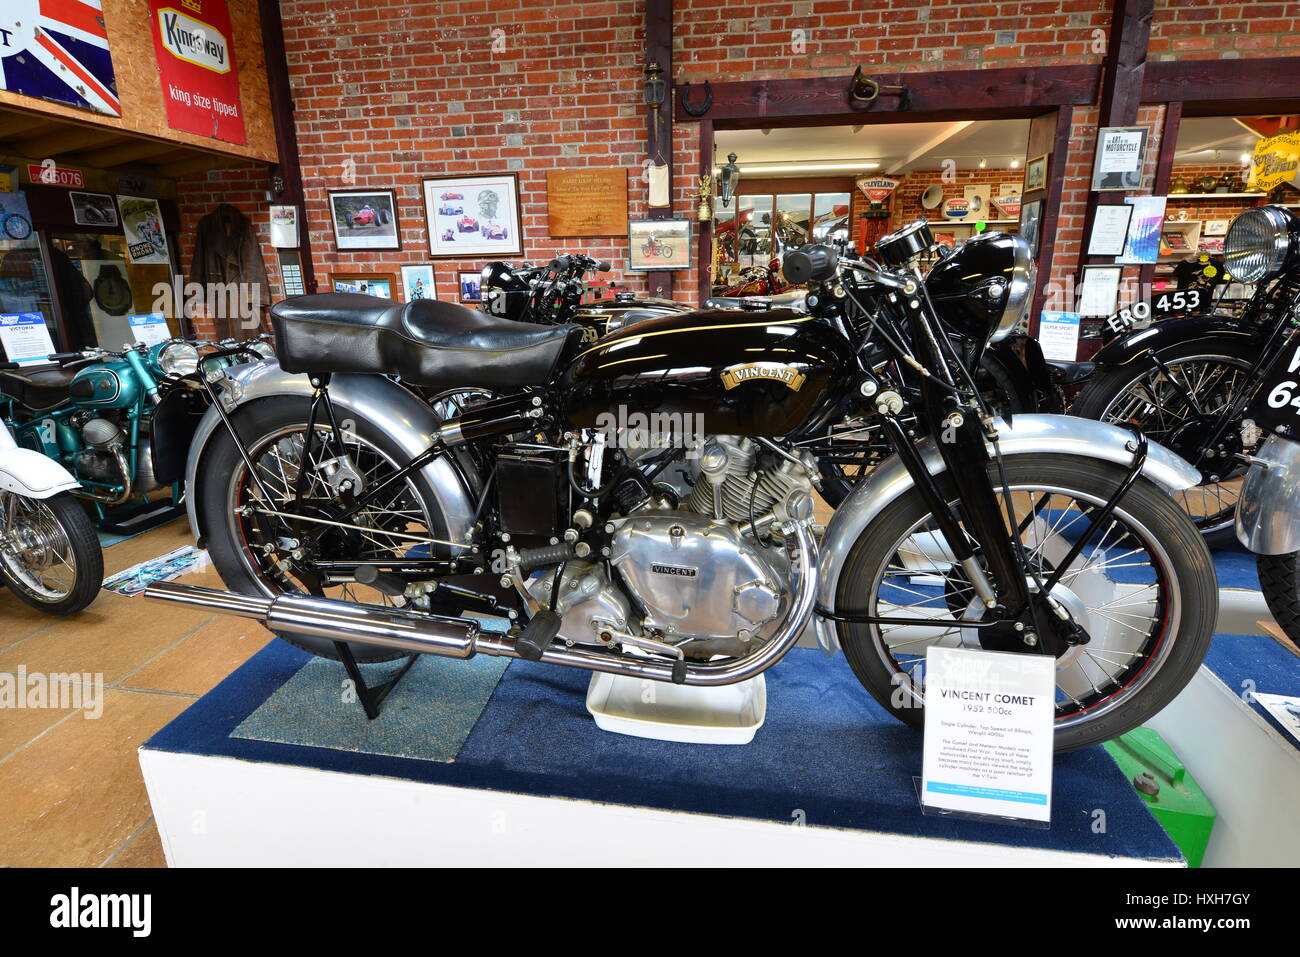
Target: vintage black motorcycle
<point>552,294</point>
<point>1185,381</point>
<point>325,490</point>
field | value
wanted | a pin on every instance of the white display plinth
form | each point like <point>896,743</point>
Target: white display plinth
<point>223,812</point>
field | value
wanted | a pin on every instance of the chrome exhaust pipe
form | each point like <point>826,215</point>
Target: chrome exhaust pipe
<point>407,631</point>
<point>420,633</point>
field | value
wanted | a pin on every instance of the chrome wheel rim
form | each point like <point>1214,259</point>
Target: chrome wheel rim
<point>389,523</point>
<point>37,554</point>
<point>1122,588</point>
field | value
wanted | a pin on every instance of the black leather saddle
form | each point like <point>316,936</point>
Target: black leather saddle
<point>427,342</point>
<point>42,391</point>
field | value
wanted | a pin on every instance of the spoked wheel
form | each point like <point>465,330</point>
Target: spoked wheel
<point>49,553</point>
<point>1159,405</point>
<point>258,543</point>
<point>1143,589</point>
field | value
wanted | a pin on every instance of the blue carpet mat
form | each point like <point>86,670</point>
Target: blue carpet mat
<point>827,753</point>
<point>1236,568</point>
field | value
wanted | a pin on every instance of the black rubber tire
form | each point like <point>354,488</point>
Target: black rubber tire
<point>220,462</point>
<point>87,554</point>
<point>1146,503</point>
<point>1279,580</point>
<point>1106,384</point>
<point>993,378</point>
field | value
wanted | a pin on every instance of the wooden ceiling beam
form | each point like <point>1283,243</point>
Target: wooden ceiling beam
<point>71,140</point>
<point>197,164</point>
<point>129,152</point>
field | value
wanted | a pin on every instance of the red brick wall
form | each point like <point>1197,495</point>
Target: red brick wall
<point>392,92</point>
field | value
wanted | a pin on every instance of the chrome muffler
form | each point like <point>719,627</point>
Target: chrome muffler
<point>411,632</point>
<point>417,632</point>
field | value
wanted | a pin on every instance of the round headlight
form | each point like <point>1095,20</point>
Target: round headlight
<point>1020,290</point>
<point>1258,243</point>
<point>179,358</point>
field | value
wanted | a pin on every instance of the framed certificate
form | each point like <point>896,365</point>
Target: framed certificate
<point>1109,230</point>
<point>1099,290</point>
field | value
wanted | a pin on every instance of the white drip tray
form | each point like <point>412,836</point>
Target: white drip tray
<point>727,714</point>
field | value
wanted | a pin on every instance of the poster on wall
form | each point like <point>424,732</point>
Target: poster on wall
<point>93,209</point>
<point>196,65</point>
<point>142,224</point>
<point>473,216</point>
<point>58,52</point>
<point>1276,160</point>
<point>1143,242</point>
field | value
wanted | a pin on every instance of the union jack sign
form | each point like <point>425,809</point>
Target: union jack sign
<point>58,50</point>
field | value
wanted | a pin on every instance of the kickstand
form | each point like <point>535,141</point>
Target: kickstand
<point>370,698</point>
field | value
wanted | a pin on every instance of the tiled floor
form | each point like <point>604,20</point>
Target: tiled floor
<point>69,778</point>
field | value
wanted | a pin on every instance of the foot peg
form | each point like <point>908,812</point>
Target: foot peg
<point>537,634</point>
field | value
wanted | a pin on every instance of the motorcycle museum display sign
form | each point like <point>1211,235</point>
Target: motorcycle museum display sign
<point>196,65</point>
<point>58,52</point>
<point>586,202</point>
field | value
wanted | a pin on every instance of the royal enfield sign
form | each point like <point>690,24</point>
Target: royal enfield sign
<point>1276,161</point>
<point>196,63</point>
<point>57,50</point>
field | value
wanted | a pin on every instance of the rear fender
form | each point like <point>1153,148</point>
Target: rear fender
<point>407,420</point>
<point>1138,346</point>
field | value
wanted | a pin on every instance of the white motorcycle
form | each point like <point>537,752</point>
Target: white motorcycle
<point>49,552</point>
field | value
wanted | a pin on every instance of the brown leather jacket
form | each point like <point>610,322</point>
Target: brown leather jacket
<point>226,249</point>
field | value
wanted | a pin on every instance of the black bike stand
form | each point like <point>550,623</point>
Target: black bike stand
<point>370,698</point>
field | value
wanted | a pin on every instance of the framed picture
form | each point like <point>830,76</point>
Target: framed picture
<point>1099,291</point>
<point>658,244</point>
<point>472,217</point>
<point>1109,230</point>
<point>1143,243</point>
<point>1121,154</point>
<point>1030,213</point>
<point>467,284</point>
<point>1215,227</point>
<point>1036,173</point>
<point>365,219</point>
<point>417,283</point>
<point>382,285</point>
<point>93,209</point>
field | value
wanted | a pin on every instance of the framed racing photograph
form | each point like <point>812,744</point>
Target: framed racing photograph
<point>93,209</point>
<point>381,285</point>
<point>658,244</point>
<point>473,217</point>
<point>417,283</point>
<point>365,219</point>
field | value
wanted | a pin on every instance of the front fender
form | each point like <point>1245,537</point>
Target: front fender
<point>1268,518</point>
<point>1025,435</point>
<point>1133,346</point>
<point>410,422</point>
<point>33,475</point>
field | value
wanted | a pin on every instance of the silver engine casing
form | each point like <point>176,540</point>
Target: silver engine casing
<point>592,609</point>
<point>696,577</point>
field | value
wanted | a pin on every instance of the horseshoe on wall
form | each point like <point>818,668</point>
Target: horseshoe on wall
<point>686,99</point>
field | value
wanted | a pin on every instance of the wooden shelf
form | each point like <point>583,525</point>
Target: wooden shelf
<point>1177,196</point>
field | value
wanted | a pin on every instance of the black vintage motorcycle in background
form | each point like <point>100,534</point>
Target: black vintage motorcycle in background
<point>324,490</point>
<point>1185,381</point>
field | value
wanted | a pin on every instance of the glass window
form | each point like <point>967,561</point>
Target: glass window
<point>24,286</point>
<point>791,221</point>
<point>754,234</point>
<point>99,289</point>
<point>831,217</point>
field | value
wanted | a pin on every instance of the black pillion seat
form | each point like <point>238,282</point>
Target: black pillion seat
<point>427,342</point>
<point>41,391</point>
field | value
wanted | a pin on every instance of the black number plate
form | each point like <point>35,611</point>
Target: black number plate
<point>1163,305</point>
<point>1275,406</point>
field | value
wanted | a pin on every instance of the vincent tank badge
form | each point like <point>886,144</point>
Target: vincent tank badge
<point>733,376</point>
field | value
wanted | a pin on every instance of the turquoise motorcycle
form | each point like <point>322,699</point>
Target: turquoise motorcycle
<point>119,422</point>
